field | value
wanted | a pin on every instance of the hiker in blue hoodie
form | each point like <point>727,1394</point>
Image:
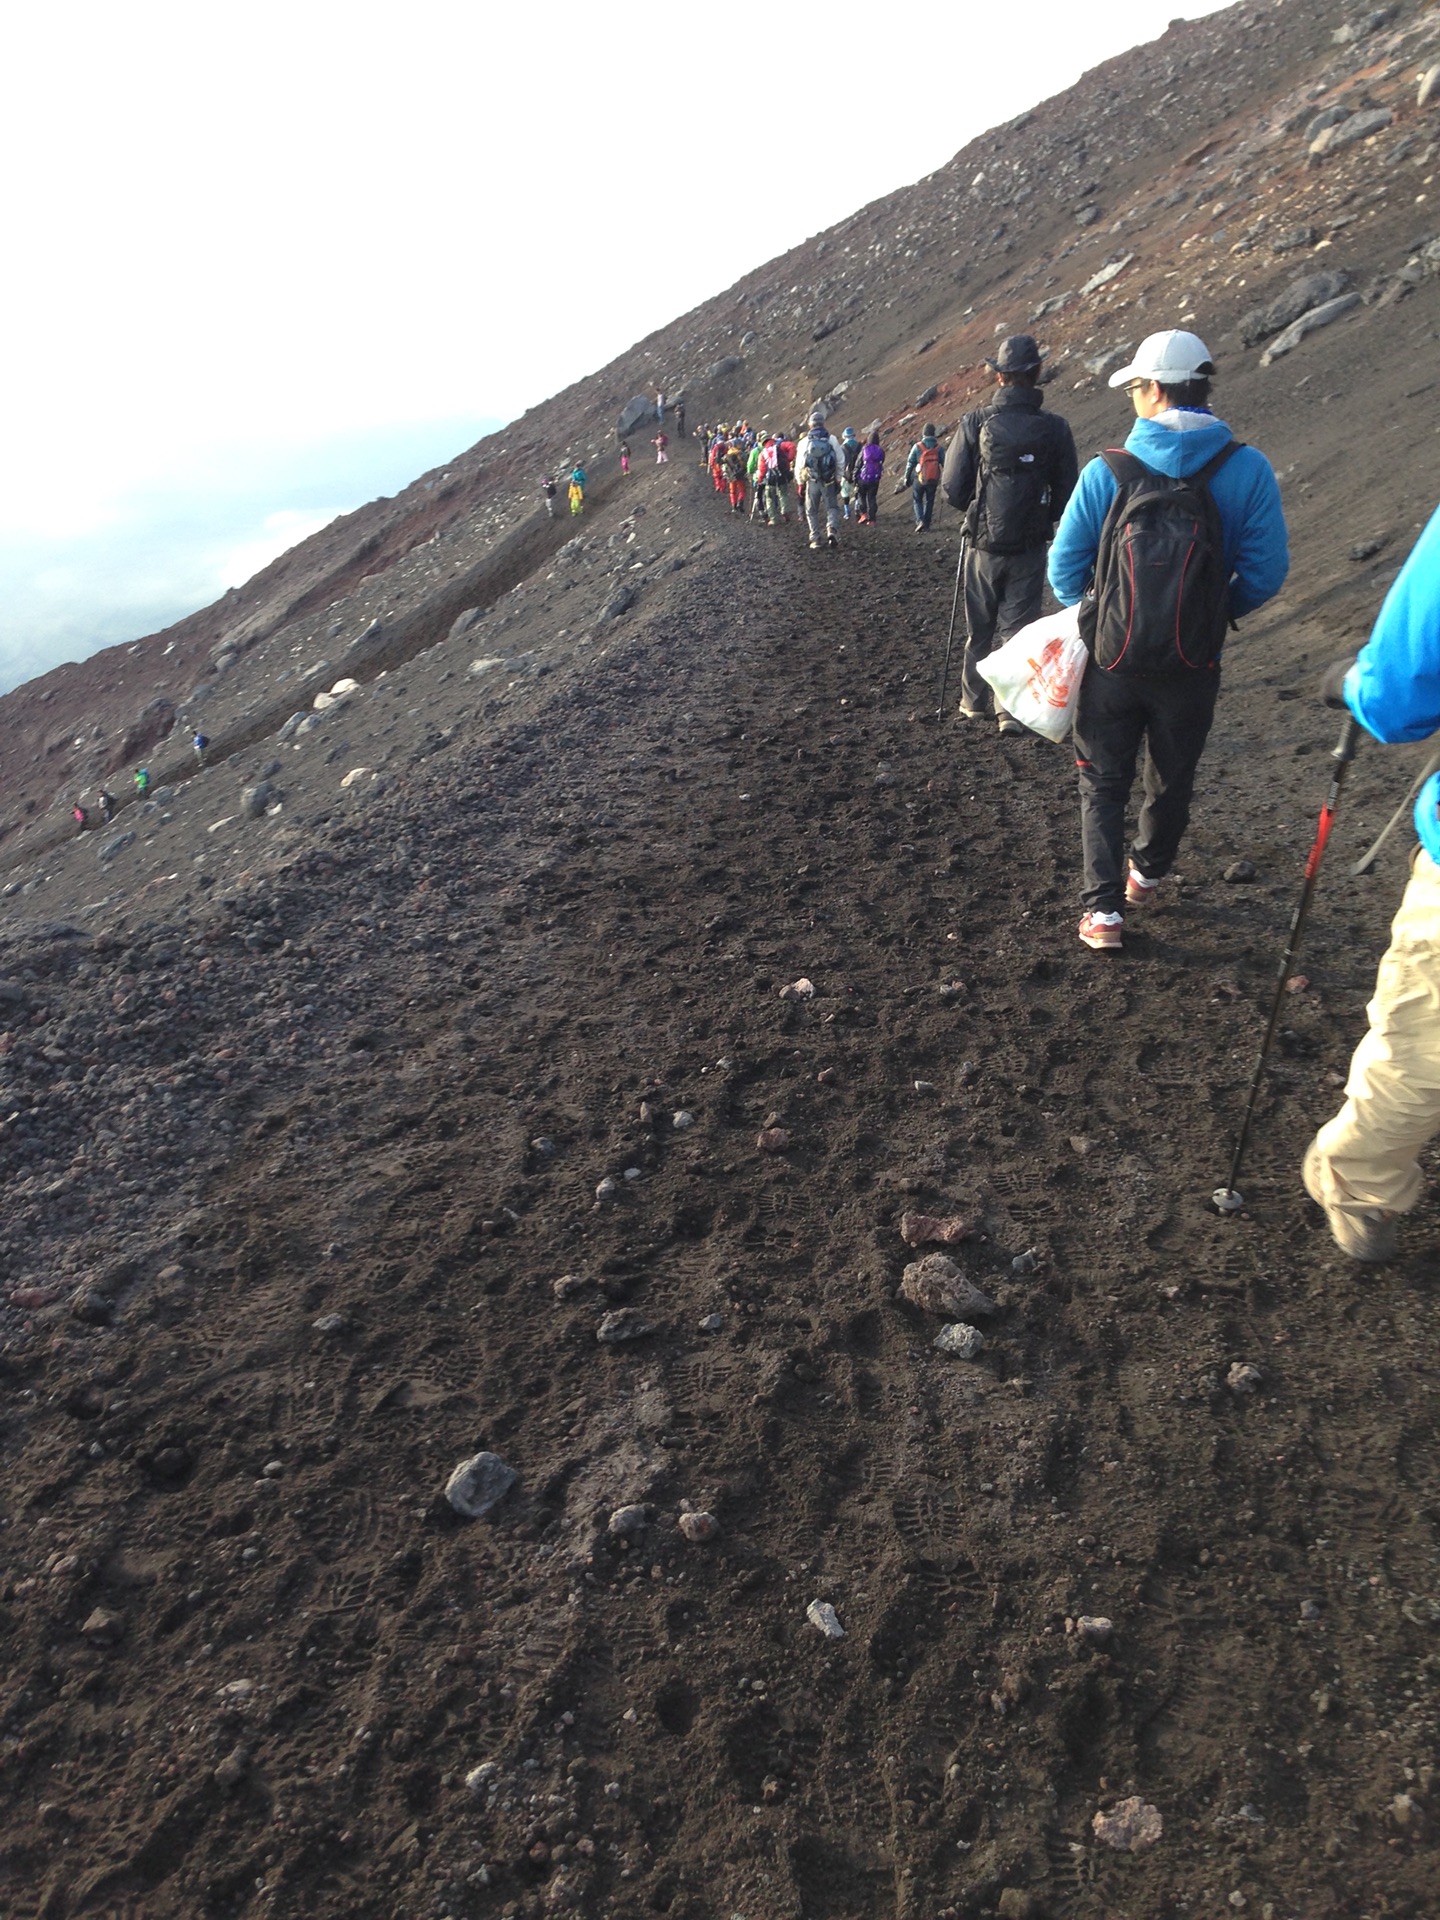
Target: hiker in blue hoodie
<point>1166,704</point>
<point>1363,1165</point>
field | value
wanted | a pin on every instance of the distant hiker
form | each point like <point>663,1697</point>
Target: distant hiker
<point>779,467</point>
<point>1168,542</point>
<point>142,782</point>
<point>850,448</point>
<point>200,743</point>
<point>718,449</point>
<point>869,465</point>
<point>548,491</point>
<point>1362,1166</point>
<point>578,483</point>
<point>80,817</point>
<point>660,408</point>
<point>922,473</point>
<point>819,464</point>
<point>679,419</point>
<point>105,801</point>
<point>754,471</point>
<point>624,456</point>
<point>1010,471</point>
<point>733,467</point>
<point>661,444</point>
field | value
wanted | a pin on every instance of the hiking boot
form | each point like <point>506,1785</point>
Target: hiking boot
<point>1365,1233</point>
<point>833,542</point>
<point>1140,889</point>
<point>919,526</point>
<point>1009,724</point>
<point>1102,931</point>
<point>814,546</point>
<point>972,713</point>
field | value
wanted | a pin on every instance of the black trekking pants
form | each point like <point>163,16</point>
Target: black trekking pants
<point>1171,714</point>
<point>1003,592</point>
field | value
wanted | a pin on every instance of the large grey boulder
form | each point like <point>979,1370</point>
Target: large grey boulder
<point>1317,317</point>
<point>634,414</point>
<point>1311,290</point>
<point>718,369</point>
<point>1356,126</point>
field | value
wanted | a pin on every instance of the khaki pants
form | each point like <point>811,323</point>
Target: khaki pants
<point>1392,1098</point>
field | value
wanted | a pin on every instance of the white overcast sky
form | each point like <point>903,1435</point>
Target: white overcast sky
<point>259,255</point>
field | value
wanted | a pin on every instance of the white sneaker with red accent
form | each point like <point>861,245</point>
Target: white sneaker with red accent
<point>1102,931</point>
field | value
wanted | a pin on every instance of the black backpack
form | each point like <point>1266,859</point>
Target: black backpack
<point>820,459</point>
<point>1160,598</point>
<point>780,470</point>
<point>1011,509</point>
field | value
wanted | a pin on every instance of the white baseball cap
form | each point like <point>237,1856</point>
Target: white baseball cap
<point>1172,358</point>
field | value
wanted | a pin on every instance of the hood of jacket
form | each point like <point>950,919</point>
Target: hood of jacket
<point>1179,442</point>
<point>1028,399</point>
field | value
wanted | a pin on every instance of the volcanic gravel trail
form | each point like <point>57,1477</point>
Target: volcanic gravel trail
<point>252,1658</point>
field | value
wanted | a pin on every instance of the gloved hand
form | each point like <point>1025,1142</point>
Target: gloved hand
<point>1332,681</point>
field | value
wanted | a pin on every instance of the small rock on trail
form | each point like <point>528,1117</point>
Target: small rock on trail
<point>936,1285</point>
<point>1130,1827</point>
<point>927,1229</point>
<point>478,1484</point>
<point>626,1323</point>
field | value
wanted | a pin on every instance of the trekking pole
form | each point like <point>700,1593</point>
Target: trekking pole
<point>1367,860</point>
<point>1227,1199</point>
<point>950,636</point>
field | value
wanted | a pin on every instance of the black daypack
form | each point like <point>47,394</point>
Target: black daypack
<point>780,469</point>
<point>1010,511</point>
<point>820,459</point>
<point>1160,598</point>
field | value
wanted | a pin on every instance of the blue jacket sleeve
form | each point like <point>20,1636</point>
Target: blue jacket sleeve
<point>1262,558</point>
<point>1393,689</point>
<point>1077,538</point>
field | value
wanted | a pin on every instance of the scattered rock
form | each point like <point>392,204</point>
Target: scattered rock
<point>798,990</point>
<point>1318,123</point>
<point>92,1308</point>
<point>478,1484</point>
<point>232,1769</point>
<point>625,1521</point>
<point>1367,549</point>
<point>1308,323</point>
<point>103,1628</point>
<point>1026,1263</point>
<point>109,848</point>
<point>924,399</point>
<point>463,622</point>
<point>254,800</point>
<point>1429,83</point>
<point>619,602</point>
<point>966,1343</point>
<point>331,1323</point>
<point>1239,871</point>
<point>772,1140</point>
<point>1309,1611</point>
<point>718,369</point>
<point>569,1284</point>
<point>697,1527</point>
<point>1130,1827</point>
<point>607,1189</point>
<point>936,1285</point>
<point>821,1614</point>
<point>480,1778</point>
<point>1293,238</point>
<point>1355,126</point>
<point>682,1120</point>
<point>1243,1378</point>
<point>486,664</point>
<point>626,1323</point>
<point>928,1229</point>
<point>712,1323</point>
<point>1087,216</point>
<point>1094,1629</point>
<point>1016,1904</point>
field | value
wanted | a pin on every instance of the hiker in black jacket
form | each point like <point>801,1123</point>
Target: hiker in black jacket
<point>1010,471</point>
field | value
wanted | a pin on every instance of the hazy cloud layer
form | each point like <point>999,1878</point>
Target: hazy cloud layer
<point>148,556</point>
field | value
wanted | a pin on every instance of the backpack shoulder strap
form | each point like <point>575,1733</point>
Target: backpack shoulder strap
<point>1125,467</point>
<point>1211,467</point>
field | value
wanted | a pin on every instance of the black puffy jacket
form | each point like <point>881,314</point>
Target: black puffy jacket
<point>1010,470</point>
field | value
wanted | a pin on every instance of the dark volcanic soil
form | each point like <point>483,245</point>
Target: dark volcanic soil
<point>315,1150</point>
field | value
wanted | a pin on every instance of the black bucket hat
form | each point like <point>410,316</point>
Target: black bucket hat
<point>1018,354</point>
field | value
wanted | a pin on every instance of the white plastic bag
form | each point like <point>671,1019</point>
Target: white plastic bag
<point>1036,674</point>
